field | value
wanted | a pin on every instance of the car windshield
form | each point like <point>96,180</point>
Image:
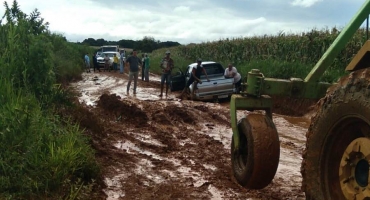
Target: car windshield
<point>213,68</point>
<point>109,48</point>
<point>109,54</point>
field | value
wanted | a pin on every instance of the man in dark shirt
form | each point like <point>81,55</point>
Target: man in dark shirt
<point>95,62</point>
<point>133,62</point>
<point>195,78</point>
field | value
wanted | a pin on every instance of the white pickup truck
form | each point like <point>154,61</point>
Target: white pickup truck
<point>217,88</point>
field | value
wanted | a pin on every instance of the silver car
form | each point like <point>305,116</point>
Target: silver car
<point>218,87</point>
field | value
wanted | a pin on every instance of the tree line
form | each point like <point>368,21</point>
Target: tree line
<point>147,44</point>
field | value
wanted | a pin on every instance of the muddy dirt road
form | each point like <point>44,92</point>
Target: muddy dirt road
<point>160,148</point>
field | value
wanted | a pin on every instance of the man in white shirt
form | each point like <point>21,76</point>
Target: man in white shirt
<point>232,72</point>
<point>87,63</point>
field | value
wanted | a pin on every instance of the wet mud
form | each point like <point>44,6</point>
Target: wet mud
<point>162,148</point>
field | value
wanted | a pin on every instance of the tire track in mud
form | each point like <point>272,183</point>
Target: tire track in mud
<point>164,149</point>
<point>168,163</point>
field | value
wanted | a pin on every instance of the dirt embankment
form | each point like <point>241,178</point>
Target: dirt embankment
<point>293,107</point>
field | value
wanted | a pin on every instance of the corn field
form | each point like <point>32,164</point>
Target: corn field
<point>305,48</point>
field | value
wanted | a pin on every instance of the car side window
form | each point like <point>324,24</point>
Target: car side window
<point>210,69</point>
<point>214,69</point>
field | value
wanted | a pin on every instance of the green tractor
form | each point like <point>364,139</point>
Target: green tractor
<point>336,161</point>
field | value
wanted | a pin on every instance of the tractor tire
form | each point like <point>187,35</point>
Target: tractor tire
<point>255,163</point>
<point>338,146</point>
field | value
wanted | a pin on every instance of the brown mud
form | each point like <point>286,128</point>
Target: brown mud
<point>160,148</point>
<point>292,106</point>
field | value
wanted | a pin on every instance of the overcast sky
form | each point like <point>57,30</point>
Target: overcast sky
<point>188,21</point>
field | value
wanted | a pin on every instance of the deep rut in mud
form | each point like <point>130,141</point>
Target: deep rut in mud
<point>153,148</point>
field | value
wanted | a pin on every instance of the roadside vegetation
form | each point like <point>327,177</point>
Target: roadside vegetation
<point>43,155</point>
<point>277,56</point>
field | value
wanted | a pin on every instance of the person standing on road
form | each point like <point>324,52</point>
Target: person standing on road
<point>121,61</point>
<point>106,63</point>
<point>115,62</point>
<point>147,66</point>
<point>195,78</point>
<point>87,63</point>
<point>167,65</point>
<point>232,72</point>
<point>133,62</point>
<point>95,63</point>
<point>143,67</point>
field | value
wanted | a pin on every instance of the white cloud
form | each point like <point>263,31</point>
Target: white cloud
<point>182,21</point>
<point>182,9</point>
<point>305,3</point>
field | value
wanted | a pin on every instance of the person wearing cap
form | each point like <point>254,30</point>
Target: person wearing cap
<point>167,65</point>
<point>195,77</point>
<point>232,72</point>
<point>133,62</point>
<point>146,66</point>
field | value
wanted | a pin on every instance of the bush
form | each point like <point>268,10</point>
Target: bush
<point>39,152</point>
<point>42,155</point>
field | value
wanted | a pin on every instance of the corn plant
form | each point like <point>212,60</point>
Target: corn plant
<point>301,50</point>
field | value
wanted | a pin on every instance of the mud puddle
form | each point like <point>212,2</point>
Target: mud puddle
<point>159,148</point>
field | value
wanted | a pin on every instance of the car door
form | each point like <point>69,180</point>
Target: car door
<point>178,81</point>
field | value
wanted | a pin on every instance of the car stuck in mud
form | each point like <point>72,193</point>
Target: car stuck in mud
<point>218,87</point>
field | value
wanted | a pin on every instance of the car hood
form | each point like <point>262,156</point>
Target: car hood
<point>101,58</point>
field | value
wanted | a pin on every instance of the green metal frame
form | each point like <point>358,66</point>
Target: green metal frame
<point>339,43</point>
<point>256,90</point>
<point>257,85</point>
<point>238,102</point>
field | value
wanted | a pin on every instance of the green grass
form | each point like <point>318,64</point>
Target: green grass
<point>285,70</point>
<point>40,152</point>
